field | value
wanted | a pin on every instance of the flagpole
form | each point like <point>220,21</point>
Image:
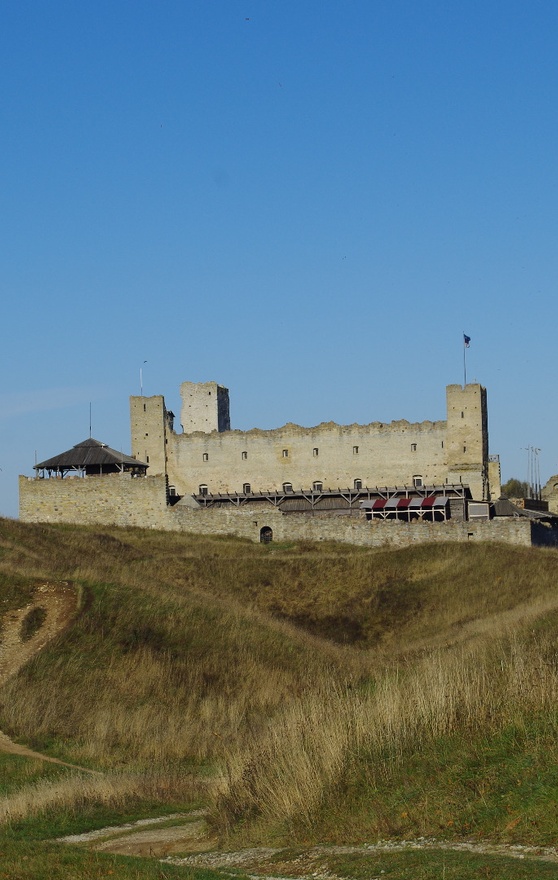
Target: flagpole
<point>466,343</point>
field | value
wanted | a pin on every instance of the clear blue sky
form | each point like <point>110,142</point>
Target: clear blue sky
<point>308,202</point>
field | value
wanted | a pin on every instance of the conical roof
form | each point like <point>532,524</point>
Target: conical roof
<point>90,453</point>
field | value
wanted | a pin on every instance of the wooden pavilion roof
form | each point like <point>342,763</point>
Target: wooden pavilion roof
<point>90,454</point>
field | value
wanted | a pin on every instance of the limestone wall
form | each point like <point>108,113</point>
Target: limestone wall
<point>120,500</point>
<point>205,407</point>
<point>209,454</point>
<point>334,455</point>
<point>149,427</point>
<point>115,499</point>
<point>350,529</point>
<point>467,437</point>
<point>550,493</point>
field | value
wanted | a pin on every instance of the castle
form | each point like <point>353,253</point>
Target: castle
<point>377,484</point>
<point>208,458</point>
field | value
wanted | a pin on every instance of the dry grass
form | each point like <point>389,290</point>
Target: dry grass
<point>314,744</point>
<point>285,668</point>
<point>115,790</point>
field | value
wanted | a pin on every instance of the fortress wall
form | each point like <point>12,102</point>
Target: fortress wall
<point>116,499</point>
<point>141,502</point>
<point>350,529</point>
<point>550,493</point>
<point>378,454</point>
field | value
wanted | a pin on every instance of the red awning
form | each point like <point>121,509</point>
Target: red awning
<point>379,504</point>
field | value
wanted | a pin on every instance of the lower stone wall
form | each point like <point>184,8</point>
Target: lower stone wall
<point>120,500</point>
<point>114,499</point>
<point>349,529</point>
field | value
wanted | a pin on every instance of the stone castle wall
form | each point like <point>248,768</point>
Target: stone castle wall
<point>351,529</point>
<point>378,454</point>
<point>124,501</point>
<point>550,493</point>
<point>115,499</point>
<point>336,456</point>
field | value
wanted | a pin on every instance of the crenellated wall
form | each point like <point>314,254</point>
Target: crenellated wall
<point>377,454</point>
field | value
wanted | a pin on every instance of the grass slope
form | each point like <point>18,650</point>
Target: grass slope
<point>306,692</point>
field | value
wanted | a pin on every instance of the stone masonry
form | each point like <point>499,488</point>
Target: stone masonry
<point>208,456</point>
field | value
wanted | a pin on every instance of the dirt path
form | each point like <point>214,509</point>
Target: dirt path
<point>314,862</point>
<point>59,602</point>
<point>147,838</point>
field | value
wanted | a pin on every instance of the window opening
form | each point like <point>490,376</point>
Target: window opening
<point>357,485</point>
<point>317,486</point>
<point>205,456</point>
<point>202,489</point>
<point>246,488</point>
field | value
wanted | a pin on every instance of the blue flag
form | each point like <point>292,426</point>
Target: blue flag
<point>467,340</point>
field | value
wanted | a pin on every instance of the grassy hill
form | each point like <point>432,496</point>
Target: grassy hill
<point>304,692</point>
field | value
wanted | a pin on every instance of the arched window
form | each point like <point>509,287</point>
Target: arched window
<point>357,485</point>
<point>246,488</point>
<point>202,489</point>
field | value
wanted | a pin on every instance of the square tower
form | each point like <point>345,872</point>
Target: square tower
<point>467,437</point>
<point>205,407</point>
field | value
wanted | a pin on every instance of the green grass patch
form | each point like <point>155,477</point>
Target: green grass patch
<point>89,817</point>
<point>435,864</point>
<point>502,787</point>
<point>17,771</point>
<point>41,860</point>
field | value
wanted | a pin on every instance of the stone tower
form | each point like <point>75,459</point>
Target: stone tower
<point>150,426</point>
<point>467,438</point>
<point>205,407</point>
